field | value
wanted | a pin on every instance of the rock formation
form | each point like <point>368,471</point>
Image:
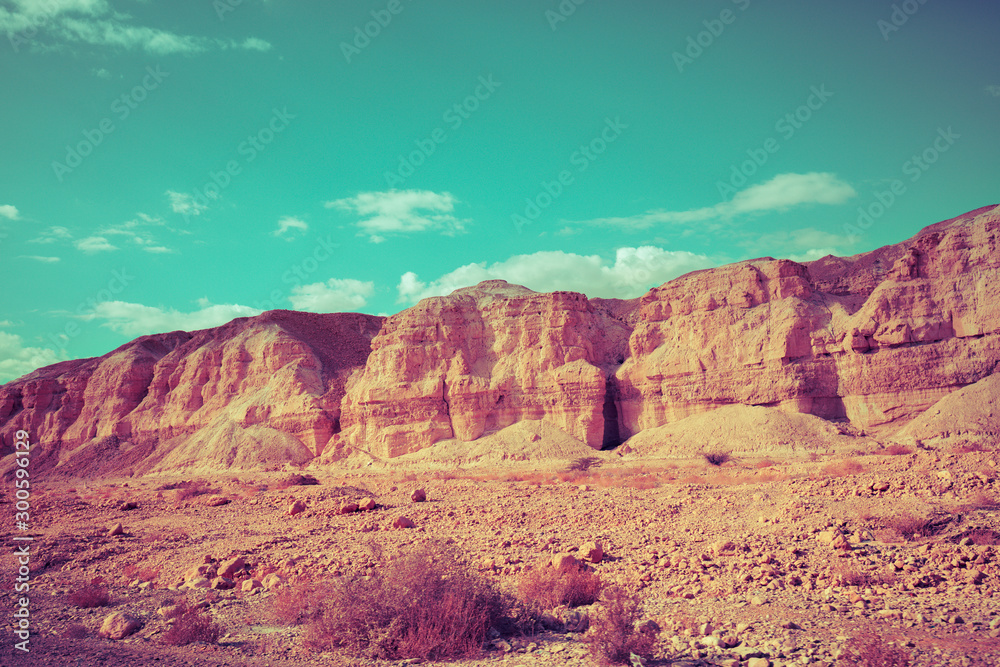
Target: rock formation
<point>255,391</point>
<point>873,339</point>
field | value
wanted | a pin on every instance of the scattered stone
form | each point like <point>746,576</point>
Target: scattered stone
<point>118,625</point>
<point>592,552</point>
<point>129,505</point>
<point>229,568</point>
<point>251,585</point>
<point>223,583</point>
<point>418,496</point>
<point>564,561</point>
<point>296,507</point>
<point>348,508</point>
<point>367,505</point>
<point>215,501</point>
<point>403,522</point>
<point>116,530</point>
<point>272,581</point>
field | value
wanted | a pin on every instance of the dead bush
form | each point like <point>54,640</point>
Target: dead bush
<point>716,458</point>
<point>870,649</point>
<point>548,587</point>
<point>897,450</point>
<point>92,595</point>
<point>192,624</point>
<point>584,464</point>
<point>614,637</point>
<point>850,575</point>
<point>419,606</point>
<point>908,527</point>
<point>75,631</point>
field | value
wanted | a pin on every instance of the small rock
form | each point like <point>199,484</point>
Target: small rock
<point>223,583</point>
<point>367,505</point>
<point>403,522</point>
<point>564,561</point>
<point>272,581</point>
<point>119,625</point>
<point>116,530</point>
<point>215,501</point>
<point>296,507</point>
<point>592,552</point>
<point>758,662</point>
<point>251,585</point>
<point>348,508</point>
<point>126,506</point>
<point>418,496</point>
<point>228,568</point>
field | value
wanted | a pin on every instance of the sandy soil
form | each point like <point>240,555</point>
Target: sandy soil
<point>745,547</point>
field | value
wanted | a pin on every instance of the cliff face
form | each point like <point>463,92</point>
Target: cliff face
<point>481,359</point>
<point>874,339</point>
<point>280,374</point>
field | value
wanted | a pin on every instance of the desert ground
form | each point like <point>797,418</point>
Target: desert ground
<point>745,561</point>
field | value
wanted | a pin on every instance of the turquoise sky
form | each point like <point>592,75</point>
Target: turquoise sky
<point>175,165</point>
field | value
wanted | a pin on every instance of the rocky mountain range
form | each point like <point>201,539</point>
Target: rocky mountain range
<point>869,342</point>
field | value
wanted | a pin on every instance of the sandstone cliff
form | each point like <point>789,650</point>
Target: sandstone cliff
<point>258,391</point>
<point>479,360</point>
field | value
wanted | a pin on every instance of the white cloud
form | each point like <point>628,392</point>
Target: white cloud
<point>95,23</point>
<point>800,245</point>
<point>17,360</point>
<point>134,230</point>
<point>9,212</point>
<point>290,222</point>
<point>135,319</point>
<point>185,204</point>
<point>634,271</point>
<point>93,244</point>
<point>401,212</point>
<point>39,258</point>
<point>53,234</point>
<point>333,296</point>
<point>781,192</point>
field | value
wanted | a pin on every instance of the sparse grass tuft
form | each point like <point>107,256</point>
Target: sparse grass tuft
<point>842,468</point>
<point>897,450</point>
<point>615,637</point>
<point>870,649</point>
<point>192,624</point>
<point>548,587</point>
<point>908,527</point>
<point>584,464</point>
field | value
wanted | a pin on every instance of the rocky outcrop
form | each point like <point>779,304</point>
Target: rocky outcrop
<point>874,338</point>
<point>258,391</point>
<point>479,360</point>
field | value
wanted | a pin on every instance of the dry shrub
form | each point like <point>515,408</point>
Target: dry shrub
<point>908,527</point>
<point>842,468</point>
<point>418,606</point>
<point>983,537</point>
<point>548,587</point>
<point>75,631</point>
<point>764,463</point>
<point>90,596</point>
<point>585,464</point>
<point>980,500</point>
<point>849,575</point>
<point>870,649</point>
<point>133,572</point>
<point>716,458</point>
<point>897,450</point>
<point>968,447</point>
<point>192,624</point>
<point>614,637</point>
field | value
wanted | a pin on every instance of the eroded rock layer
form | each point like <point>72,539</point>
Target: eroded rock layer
<point>271,383</point>
<point>479,360</point>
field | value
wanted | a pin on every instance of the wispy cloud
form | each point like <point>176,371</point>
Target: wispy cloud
<point>782,192</point>
<point>288,224</point>
<point>9,212</point>
<point>333,296</point>
<point>93,244</point>
<point>402,212</point>
<point>135,319</point>
<point>52,235</point>
<point>40,258</point>
<point>632,273</point>
<point>48,24</point>
<point>185,204</point>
